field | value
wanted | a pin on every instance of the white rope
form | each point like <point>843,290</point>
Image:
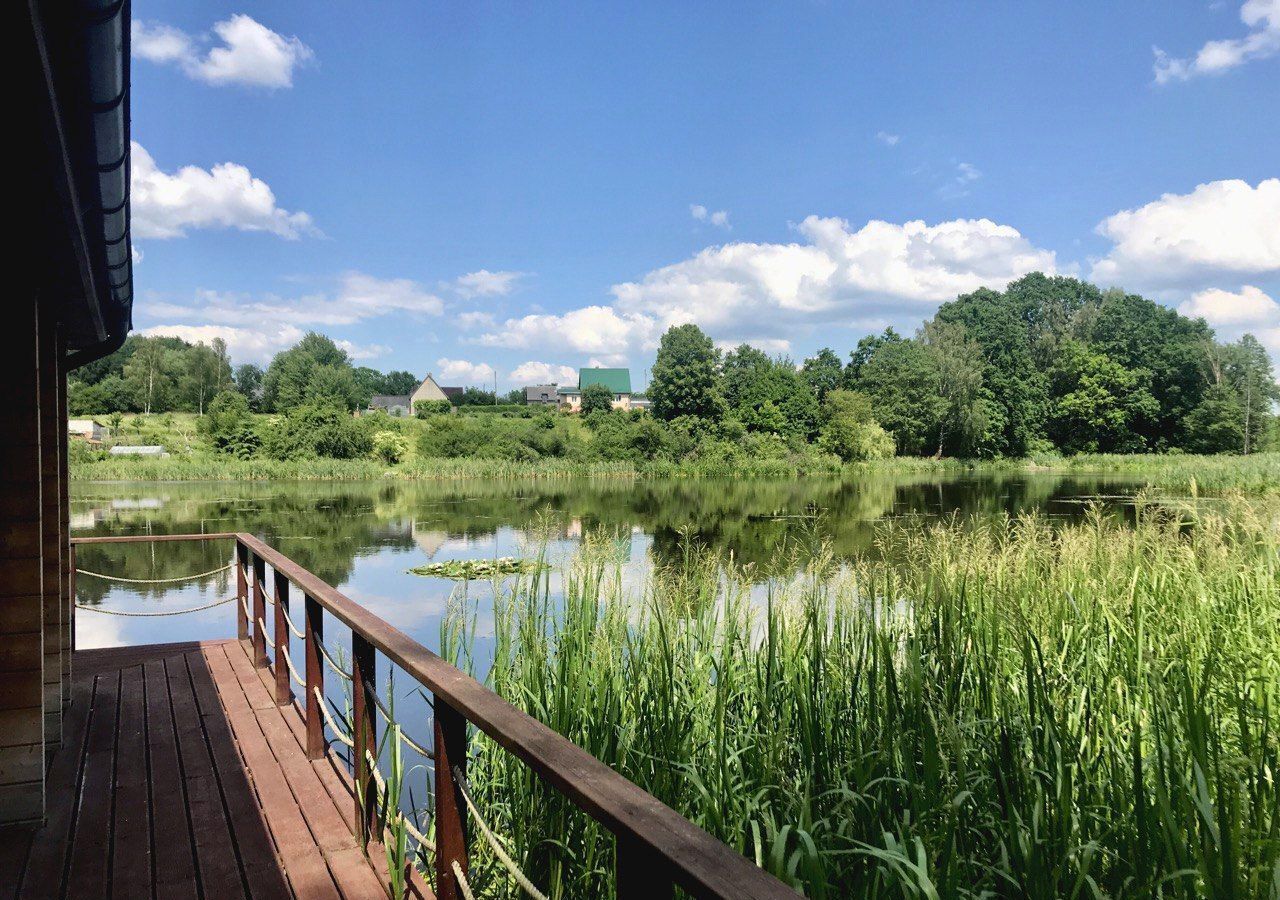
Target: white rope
<point>462,881</point>
<point>288,661</point>
<point>154,580</point>
<point>337,731</point>
<point>498,850</point>
<point>404,738</point>
<point>324,651</point>
<point>144,615</point>
<point>294,628</point>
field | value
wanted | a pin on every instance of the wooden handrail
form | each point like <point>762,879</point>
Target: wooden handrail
<point>656,845</point>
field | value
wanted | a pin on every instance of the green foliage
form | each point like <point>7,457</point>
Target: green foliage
<point>768,395</point>
<point>1099,406</point>
<point>903,380</point>
<point>227,426</point>
<point>317,430</point>
<point>849,428</point>
<point>390,446</point>
<point>823,372</point>
<point>596,398</point>
<point>425,409</point>
<point>684,381</point>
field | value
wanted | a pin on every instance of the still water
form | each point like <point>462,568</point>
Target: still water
<point>363,537</point>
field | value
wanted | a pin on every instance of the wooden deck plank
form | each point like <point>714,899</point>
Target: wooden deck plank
<point>89,871</point>
<point>258,858</point>
<point>304,863</point>
<point>131,828</point>
<point>175,867</point>
<point>48,859</point>
<point>215,855</point>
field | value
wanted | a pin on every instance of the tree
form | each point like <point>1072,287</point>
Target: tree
<point>768,395</point>
<point>1249,372</point>
<point>248,380</point>
<point>867,347</point>
<point>149,374</point>
<point>964,427</point>
<point>222,376</point>
<point>823,372</point>
<point>683,382</point>
<point>1216,425</point>
<point>849,429</point>
<point>228,426</point>
<point>288,378</point>
<point>596,398</point>
<point>1099,405</point>
<point>333,384</point>
<point>202,373</point>
<point>903,382</point>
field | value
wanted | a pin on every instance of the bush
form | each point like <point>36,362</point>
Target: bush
<point>849,431</point>
<point>226,421</point>
<point>425,409</point>
<point>317,430</point>
<point>596,398</point>
<point>390,446</point>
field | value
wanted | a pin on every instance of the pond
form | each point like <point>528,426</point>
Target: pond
<point>363,537</point>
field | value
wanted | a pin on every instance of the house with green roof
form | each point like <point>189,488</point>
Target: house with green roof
<point>618,381</point>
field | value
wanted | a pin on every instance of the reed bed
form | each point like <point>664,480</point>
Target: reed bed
<point>1000,710</point>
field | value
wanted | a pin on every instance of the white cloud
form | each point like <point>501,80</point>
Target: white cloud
<point>256,343</point>
<point>166,205</point>
<point>470,321</point>
<point>363,351</point>
<point>592,329</point>
<point>367,296</point>
<point>1262,17</point>
<point>771,346</point>
<point>1250,306</point>
<point>486,284</point>
<point>250,53</point>
<point>461,370</point>
<point>1223,227</point>
<point>718,218</point>
<point>966,174</point>
<point>534,372</point>
<point>889,140</point>
<point>765,292</point>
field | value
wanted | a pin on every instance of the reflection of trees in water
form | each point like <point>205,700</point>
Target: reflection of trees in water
<point>325,526</point>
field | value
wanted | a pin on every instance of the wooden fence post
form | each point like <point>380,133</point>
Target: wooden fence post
<point>284,687</point>
<point>242,591</point>
<point>451,816</point>
<point>71,592</point>
<point>259,612</point>
<point>364,735</point>
<point>314,631</point>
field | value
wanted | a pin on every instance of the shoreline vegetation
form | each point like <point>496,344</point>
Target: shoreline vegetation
<point>1008,709</point>
<point>1258,473</point>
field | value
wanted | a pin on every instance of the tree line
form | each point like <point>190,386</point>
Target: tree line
<point>1049,363</point>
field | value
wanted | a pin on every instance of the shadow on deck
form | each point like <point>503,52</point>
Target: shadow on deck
<point>178,777</point>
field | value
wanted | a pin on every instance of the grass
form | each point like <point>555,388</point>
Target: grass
<point>1084,710</point>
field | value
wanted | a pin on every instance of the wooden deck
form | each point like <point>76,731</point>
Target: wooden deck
<point>180,777</point>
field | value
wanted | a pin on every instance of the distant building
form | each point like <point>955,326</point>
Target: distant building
<point>86,430</point>
<point>542,395</point>
<point>641,403</point>
<point>402,404</point>
<point>618,381</point>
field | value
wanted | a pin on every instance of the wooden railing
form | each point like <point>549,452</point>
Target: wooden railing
<point>656,846</point>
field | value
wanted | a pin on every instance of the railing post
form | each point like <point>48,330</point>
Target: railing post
<point>364,735</point>
<point>314,631</point>
<point>284,687</point>
<point>71,591</point>
<point>242,591</point>
<point>640,873</point>
<point>259,612</point>
<point>451,817</point>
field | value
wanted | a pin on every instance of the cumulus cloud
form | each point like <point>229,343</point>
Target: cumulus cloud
<point>767,291</point>
<point>1261,17</point>
<point>534,372</point>
<point>486,284</point>
<point>249,53</point>
<point>958,186</point>
<point>1185,240</point>
<point>1248,306</point>
<point>363,351</point>
<point>889,140</point>
<point>464,371</point>
<point>718,218</point>
<point>256,343</point>
<point>166,205</point>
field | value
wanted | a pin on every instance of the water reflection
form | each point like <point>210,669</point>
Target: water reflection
<point>363,536</point>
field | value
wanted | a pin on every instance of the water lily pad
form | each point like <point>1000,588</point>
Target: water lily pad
<point>470,569</point>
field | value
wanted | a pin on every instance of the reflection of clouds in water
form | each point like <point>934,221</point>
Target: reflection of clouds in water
<point>95,630</point>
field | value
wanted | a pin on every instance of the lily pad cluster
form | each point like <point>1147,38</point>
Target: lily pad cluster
<point>470,569</point>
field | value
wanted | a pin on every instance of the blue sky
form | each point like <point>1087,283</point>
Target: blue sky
<point>481,189</point>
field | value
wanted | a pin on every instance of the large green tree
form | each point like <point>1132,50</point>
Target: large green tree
<point>288,382</point>
<point>1099,406</point>
<point>824,372</point>
<point>903,381</point>
<point>768,395</point>
<point>684,380</point>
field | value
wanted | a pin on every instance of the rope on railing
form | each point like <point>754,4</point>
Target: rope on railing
<point>293,673</point>
<point>288,621</point>
<point>498,850</point>
<point>144,615</point>
<point>328,717</point>
<point>154,580</point>
<point>324,651</point>
<point>462,881</point>
<point>381,782</point>
<point>404,738</point>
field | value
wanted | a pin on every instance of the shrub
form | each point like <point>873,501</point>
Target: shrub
<point>849,431</point>
<point>317,430</point>
<point>596,398</point>
<point>425,409</point>
<point>390,446</point>
<point>225,421</point>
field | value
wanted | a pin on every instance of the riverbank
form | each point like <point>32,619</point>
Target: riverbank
<point>1256,474</point>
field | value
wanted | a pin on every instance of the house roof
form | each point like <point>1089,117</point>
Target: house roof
<point>618,381</point>
<point>536,391</point>
<point>451,392</point>
<point>386,401</point>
